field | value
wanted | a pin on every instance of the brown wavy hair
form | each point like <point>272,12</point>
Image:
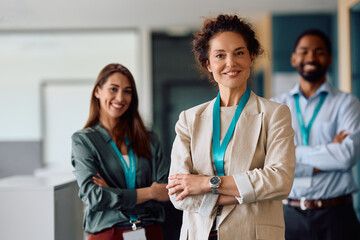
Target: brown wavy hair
<point>213,26</point>
<point>130,123</point>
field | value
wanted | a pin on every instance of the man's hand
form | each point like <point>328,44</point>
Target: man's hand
<point>339,138</point>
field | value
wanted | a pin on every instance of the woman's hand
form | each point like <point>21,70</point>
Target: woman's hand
<point>100,181</point>
<point>188,184</point>
<point>226,200</point>
<point>159,191</point>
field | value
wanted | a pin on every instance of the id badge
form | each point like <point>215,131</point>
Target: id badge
<point>138,234</point>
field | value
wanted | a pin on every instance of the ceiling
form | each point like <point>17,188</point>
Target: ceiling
<point>48,14</point>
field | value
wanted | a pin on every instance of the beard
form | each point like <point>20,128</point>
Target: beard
<point>312,76</point>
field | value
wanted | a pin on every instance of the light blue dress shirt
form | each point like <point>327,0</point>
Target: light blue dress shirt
<point>340,111</point>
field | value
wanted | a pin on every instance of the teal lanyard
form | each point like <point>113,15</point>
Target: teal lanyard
<point>130,171</point>
<point>305,130</point>
<point>219,151</point>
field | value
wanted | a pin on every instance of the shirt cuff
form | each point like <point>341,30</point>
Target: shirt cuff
<point>208,204</point>
<point>247,194</point>
<point>300,153</point>
<point>303,170</point>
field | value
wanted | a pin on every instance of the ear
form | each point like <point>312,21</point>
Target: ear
<point>208,66</point>
<point>293,60</point>
<point>330,61</point>
<point>96,92</point>
<point>252,60</point>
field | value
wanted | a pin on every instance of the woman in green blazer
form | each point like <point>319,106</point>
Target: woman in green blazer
<point>119,165</point>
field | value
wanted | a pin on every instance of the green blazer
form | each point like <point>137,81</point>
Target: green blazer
<point>108,206</point>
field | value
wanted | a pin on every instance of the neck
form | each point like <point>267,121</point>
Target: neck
<point>310,88</point>
<point>108,124</point>
<point>231,97</point>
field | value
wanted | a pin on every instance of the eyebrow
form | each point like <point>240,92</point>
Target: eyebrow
<point>236,49</point>
<point>317,48</point>
<point>115,85</point>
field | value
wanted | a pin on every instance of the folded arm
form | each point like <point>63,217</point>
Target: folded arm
<point>97,193</point>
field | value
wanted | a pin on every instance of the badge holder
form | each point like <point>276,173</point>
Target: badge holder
<point>137,233</point>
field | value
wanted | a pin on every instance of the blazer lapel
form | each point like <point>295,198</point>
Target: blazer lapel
<point>202,136</point>
<point>244,142</point>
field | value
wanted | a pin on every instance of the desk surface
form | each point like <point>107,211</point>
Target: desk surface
<point>36,182</point>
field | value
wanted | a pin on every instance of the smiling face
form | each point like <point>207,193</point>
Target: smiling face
<point>311,58</point>
<point>229,60</point>
<point>114,97</point>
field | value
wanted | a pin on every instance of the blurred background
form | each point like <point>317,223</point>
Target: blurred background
<point>52,51</point>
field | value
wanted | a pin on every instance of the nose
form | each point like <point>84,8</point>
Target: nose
<point>230,61</point>
<point>311,56</point>
<point>120,96</point>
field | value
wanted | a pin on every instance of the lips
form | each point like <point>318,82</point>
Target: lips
<point>232,73</point>
<point>117,106</point>
<point>310,67</point>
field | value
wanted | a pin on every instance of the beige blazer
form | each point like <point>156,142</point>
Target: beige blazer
<point>262,156</point>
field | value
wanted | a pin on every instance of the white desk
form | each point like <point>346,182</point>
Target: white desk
<point>40,208</point>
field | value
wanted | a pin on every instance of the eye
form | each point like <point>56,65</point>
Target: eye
<point>219,56</point>
<point>320,53</point>
<point>113,89</point>
<point>239,53</point>
<point>128,91</point>
<point>302,52</point>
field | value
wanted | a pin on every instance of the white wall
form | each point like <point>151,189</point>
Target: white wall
<point>30,59</point>
<point>47,14</point>
<point>27,59</point>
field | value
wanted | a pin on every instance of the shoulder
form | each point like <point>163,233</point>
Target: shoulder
<point>269,106</point>
<point>92,136</point>
<point>198,110</point>
<point>189,116</point>
<point>340,95</point>
<point>84,133</point>
<point>282,98</point>
<point>273,113</point>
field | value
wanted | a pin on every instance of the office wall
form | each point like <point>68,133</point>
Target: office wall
<point>27,59</point>
<point>285,28</point>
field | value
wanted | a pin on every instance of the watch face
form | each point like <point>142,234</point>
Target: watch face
<point>215,180</point>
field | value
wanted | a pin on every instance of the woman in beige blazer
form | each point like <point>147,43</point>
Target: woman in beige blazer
<point>233,158</point>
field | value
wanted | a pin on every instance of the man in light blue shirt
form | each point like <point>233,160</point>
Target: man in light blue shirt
<point>327,138</point>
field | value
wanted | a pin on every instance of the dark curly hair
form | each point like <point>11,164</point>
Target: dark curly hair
<point>213,26</point>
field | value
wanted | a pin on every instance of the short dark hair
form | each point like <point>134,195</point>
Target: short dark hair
<point>222,23</point>
<point>314,32</point>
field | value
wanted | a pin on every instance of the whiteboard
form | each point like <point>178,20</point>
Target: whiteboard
<point>65,109</point>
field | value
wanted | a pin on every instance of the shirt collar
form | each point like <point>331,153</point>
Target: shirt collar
<point>325,87</point>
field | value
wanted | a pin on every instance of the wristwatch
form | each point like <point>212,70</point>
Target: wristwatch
<point>215,184</point>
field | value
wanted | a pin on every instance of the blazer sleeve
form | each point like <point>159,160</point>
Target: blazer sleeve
<point>274,180</point>
<point>97,198</point>
<point>161,163</point>
<point>181,163</point>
